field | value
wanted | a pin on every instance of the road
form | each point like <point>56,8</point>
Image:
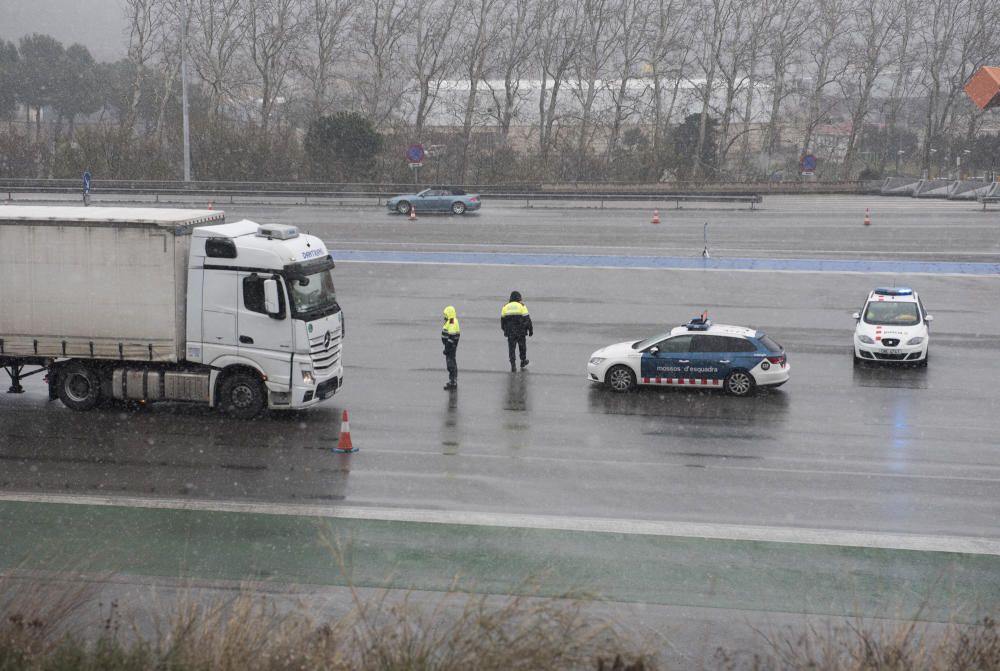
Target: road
<point>847,491</point>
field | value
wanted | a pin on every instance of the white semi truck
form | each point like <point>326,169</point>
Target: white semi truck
<point>146,304</point>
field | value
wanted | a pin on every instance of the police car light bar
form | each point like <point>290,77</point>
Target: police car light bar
<point>701,323</point>
<point>894,291</point>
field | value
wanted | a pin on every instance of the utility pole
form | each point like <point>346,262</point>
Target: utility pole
<point>184,97</point>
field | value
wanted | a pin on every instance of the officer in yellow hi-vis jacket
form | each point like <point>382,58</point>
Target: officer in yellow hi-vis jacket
<point>516,324</point>
<point>450,333</point>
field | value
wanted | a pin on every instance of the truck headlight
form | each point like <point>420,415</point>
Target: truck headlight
<point>915,341</point>
<point>307,377</point>
<point>866,339</point>
<point>596,360</point>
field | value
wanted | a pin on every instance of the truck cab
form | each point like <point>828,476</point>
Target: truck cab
<point>262,314</point>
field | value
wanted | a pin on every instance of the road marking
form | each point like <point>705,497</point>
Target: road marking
<point>672,262</point>
<point>575,249</point>
<point>734,532</point>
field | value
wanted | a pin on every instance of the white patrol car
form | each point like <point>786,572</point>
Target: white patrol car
<point>892,327</point>
<point>699,354</point>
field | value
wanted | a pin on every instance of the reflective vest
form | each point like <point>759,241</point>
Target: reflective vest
<point>515,320</point>
<point>450,327</point>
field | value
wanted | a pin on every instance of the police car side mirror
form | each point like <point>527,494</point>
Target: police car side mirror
<point>856,315</point>
<point>653,350</point>
<point>928,318</point>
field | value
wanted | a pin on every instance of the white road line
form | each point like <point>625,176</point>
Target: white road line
<point>603,250</point>
<point>732,532</point>
<point>661,269</point>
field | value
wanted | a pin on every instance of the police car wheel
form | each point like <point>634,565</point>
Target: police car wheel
<point>923,362</point>
<point>857,360</point>
<point>620,379</point>
<point>739,383</point>
<point>403,207</point>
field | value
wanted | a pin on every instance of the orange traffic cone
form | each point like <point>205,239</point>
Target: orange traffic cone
<point>344,444</point>
<point>413,213</point>
<point>656,217</point>
<point>868,217</point>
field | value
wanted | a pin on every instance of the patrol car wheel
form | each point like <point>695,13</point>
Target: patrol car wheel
<point>458,207</point>
<point>620,379</point>
<point>403,207</point>
<point>739,383</point>
<point>923,362</point>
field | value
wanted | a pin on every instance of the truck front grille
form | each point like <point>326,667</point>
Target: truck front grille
<point>324,354</point>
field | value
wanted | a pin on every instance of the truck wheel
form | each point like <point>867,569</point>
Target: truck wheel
<point>78,387</point>
<point>242,396</point>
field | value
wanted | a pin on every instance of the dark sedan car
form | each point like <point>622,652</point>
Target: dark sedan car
<point>435,199</point>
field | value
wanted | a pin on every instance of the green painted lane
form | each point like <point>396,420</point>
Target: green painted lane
<point>666,570</point>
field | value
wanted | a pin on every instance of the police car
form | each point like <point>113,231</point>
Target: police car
<point>892,327</point>
<point>699,354</point>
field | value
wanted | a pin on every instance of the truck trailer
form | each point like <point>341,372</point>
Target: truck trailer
<point>149,304</point>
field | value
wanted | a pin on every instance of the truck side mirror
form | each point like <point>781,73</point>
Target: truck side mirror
<point>271,305</point>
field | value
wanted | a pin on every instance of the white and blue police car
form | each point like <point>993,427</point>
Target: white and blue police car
<point>698,354</point>
<point>892,327</point>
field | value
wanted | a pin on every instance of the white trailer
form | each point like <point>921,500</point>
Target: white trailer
<point>166,304</point>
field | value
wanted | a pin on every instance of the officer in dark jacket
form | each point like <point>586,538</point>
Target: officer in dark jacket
<point>516,324</point>
<point>450,333</point>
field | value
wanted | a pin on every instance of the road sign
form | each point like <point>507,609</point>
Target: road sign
<point>807,164</point>
<point>416,165</point>
<point>415,153</point>
<point>86,182</point>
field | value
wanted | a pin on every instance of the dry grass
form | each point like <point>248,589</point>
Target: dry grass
<point>247,632</point>
<point>864,646</point>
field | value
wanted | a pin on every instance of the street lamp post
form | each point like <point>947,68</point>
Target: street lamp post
<point>184,101</point>
<point>958,162</point>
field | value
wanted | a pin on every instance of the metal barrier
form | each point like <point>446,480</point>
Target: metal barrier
<point>219,191</point>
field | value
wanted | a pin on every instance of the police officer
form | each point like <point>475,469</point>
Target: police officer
<point>516,324</point>
<point>450,333</point>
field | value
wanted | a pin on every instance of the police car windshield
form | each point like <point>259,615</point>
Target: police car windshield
<point>643,344</point>
<point>315,298</point>
<point>892,313</point>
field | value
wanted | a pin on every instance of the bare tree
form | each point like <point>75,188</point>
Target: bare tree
<point>218,30</point>
<point>558,34</point>
<point>827,35</point>
<point>875,25</point>
<point>669,56</point>
<point>145,22</point>
<point>631,44</point>
<point>714,23</point>
<point>596,45</point>
<point>433,52</point>
<point>956,38</point>
<point>511,62</point>
<point>273,39</point>
<point>785,41</point>
<point>327,22</point>
<point>380,26</point>
<point>482,29</point>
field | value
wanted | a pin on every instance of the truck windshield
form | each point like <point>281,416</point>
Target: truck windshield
<point>313,295</point>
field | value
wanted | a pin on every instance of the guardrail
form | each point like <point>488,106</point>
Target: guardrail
<point>989,200</point>
<point>219,191</point>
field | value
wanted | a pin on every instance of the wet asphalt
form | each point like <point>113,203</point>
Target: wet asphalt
<point>874,449</point>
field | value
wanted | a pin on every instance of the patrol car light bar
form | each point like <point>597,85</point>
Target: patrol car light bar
<point>701,323</point>
<point>894,291</point>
